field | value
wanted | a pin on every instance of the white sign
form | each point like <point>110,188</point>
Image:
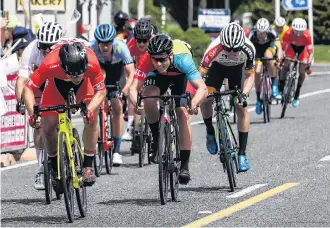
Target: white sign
<point>213,19</point>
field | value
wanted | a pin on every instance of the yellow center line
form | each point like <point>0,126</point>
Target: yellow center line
<point>240,206</point>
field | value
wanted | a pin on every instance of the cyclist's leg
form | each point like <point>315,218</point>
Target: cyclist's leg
<point>213,82</point>
<point>269,53</point>
<point>303,58</point>
<point>153,86</point>
<point>90,133</point>
<point>243,122</point>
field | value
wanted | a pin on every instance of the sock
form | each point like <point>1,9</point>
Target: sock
<point>184,157</point>
<point>117,142</point>
<point>258,96</point>
<point>296,95</point>
<point>88,161</point>
<point>242,137</point>
<point>130,122</point>
<point>209,126</point>
<point>40,158</point>
<point>154,131</point>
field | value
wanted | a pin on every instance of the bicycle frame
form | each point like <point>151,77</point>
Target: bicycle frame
<point>65,126</point>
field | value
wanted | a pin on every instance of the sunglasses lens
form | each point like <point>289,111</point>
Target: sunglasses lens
<point>142,40</point>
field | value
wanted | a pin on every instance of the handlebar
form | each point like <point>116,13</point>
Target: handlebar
<point>164,97</point>
<point>235,92</point>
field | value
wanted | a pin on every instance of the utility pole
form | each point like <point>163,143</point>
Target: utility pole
<point>227,4</point>
<point>140,9</point>
<point>163,17</point>
<point>125,6</point>
<point>190,12</point>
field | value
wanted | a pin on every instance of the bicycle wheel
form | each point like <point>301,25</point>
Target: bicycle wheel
<point>81,192</point>
<point>175,162</point>
<point>287,95</point>
<point>163,152</point>
<point>98,159</point>
<point>143,140</point>
<point>47,178</point>
<point>108,157</point>
<point>264,99</point>
<point>66,177</point>
<point>228,160</point>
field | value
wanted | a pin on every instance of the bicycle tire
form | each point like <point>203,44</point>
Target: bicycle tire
<point>143,140</point>
<point>228,161</point>
<point>264,99</point>
<point>98,159</point>
<point>163,162</point>
<point>66,179</point>
<point>108,155</point>
<point>81,192</point>
<point>47,179</point>
<point>287,96</point>
<point>176,163</point>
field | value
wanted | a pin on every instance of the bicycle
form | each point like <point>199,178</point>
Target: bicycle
<point>145,140</point>
<point>69,155</point>
<point>266,89</point>
<point>168,146</point>
<point>105,143</point>
<point>290,85</point>
<point>226,140</point>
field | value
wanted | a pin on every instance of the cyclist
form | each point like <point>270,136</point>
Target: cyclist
<point>280,27</point>
<point>114,57</point>
<point>225,58</point>
<point>120,19</point>
<point>130,25</point>
<point>239,21</point>
<point>173,65</point>
<point>297,40</point>
<point>69,65</point>
<point>48,34</point>
<point>138,45</point>
<point>264,39</point>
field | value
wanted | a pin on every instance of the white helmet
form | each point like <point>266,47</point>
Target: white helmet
<point>49,33</point>
<point>299,24</point>
<point>280,21</point>
<point>232,35</point>
<point>262,25</point>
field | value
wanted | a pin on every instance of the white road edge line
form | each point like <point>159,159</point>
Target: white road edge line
<point>326,158</point>
<point>192,124</point>
<point>246,191</point>
<point>19,165</point>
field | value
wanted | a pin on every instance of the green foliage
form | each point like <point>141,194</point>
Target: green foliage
<point>196,37</point>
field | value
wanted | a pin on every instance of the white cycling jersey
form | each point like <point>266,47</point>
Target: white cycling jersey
<point>32,56</point>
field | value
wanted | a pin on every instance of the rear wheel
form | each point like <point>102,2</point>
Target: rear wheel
<point>287,96</point>
<point>175,163</point>
<point>47,179</point>
<point>66,178</point>
<point>98,160</point>
<point>143,140</point>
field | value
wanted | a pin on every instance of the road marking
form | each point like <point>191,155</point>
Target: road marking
<point>320,73</point>
<point>327,158</point>
<point>240,206</point>
<point>19,165</point>
<point>246,191</point>
<point>205,212</point>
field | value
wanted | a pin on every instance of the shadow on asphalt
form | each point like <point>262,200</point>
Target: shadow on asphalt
<point>139,202</point>
<point>207,189</point>
<point>28,202</point>
<point>38,219</point>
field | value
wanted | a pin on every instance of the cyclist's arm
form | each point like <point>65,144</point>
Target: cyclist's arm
<point>133,91</point>
<point>99,91</point>
<point>310,48</point>
<point>20,83</point>
<point>186,65</point>
<point>129,72</point>
<point>249,80</point>
<point>279,49</point>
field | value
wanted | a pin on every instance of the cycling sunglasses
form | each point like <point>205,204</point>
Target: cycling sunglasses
<point>42,46</point>
<point>160,59</point>
<point>142,40</point>
<point>227,49</point>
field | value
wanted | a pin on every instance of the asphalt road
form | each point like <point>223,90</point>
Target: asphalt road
<point>287,184</point>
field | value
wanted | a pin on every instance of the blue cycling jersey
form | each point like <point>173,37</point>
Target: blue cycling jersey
<point>120,52</point>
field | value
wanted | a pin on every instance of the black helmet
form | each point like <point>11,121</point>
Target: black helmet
<point>160,44</point>
<point>143,29</point>
<point>121,18</point>
<point>73,59</point>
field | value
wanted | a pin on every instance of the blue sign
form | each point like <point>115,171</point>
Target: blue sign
<point>291,5</point>
<point>213,19</point>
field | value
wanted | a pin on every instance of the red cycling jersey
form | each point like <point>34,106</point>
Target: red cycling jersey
<point>304,40</point>
<point>301,45</point>
<point>134,50</point>
<point>58,83</point>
